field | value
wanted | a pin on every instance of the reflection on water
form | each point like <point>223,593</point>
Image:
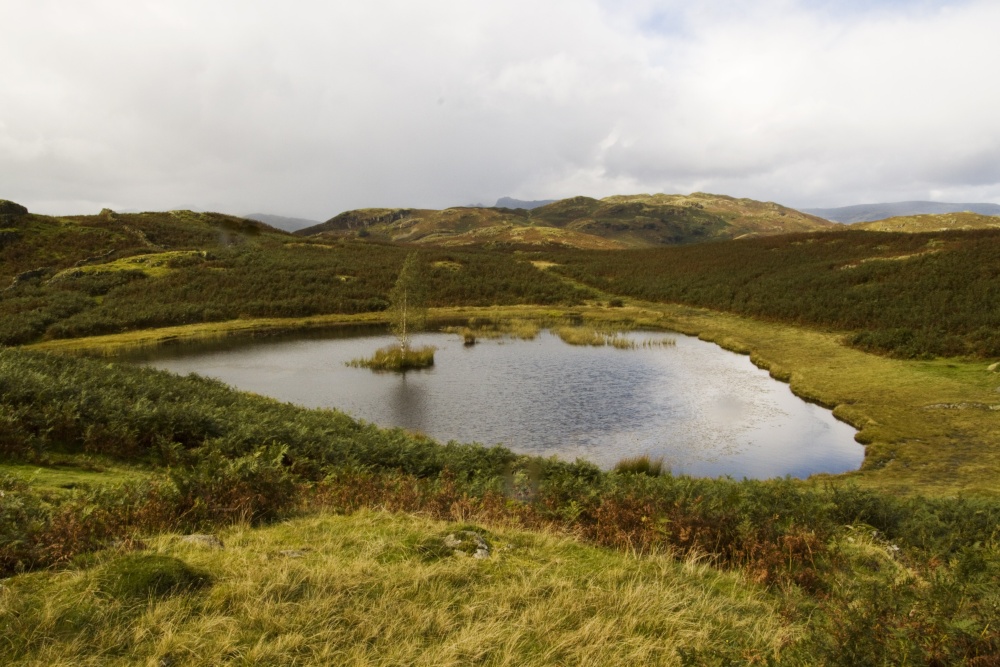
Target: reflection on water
<point>706,411</point>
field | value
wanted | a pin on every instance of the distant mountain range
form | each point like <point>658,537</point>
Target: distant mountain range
<point>581,222</point>
<point>281,222</point>
<point>510,202</point>
<point>872,212</point>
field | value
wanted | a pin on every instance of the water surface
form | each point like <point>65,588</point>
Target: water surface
<point>706,411</point>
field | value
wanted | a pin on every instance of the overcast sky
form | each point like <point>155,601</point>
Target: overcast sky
<point>307,108</point>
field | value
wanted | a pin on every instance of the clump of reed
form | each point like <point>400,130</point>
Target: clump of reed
<point>658,342</point>
<point>484,328</point>
<point>582,335</point>
<point>396,358</point>
<point>641,465</point>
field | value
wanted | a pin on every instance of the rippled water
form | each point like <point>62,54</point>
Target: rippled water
<point>706,411</point>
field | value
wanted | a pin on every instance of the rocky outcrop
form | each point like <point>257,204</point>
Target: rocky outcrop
<point>9,214</point>
<point>9,208</point>
<point>34,274</point>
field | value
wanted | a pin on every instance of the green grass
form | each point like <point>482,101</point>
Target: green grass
<point>360,590</point>
<point>64,473</point>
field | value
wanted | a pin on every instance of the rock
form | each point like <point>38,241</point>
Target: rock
<point>293,553</point>
<point>29,275</point>
<point>468,542</point>
<point>205,541</point>
<point>12,209</point>
<point>994,368</point>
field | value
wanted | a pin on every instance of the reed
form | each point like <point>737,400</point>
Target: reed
<point>594,337</point>
<point>491,329</point>
<point>641,465</point>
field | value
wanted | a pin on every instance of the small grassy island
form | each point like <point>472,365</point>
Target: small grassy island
<point>396,358</point>
<point>407,315</point>
<point>150,518</point>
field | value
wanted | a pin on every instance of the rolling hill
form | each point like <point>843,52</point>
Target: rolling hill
<point>932,222</point>
<point>873,212</point>
<point>579,222</point>
<point>47,244</point>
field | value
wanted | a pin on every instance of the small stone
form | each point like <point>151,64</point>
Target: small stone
<point>469,543</point>
<point>205,541</point>
<point>292,553</point>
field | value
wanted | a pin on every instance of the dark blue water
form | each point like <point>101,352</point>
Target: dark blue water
<point>706,411</point>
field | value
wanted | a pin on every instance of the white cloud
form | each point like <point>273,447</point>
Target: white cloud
<point>307,108</point>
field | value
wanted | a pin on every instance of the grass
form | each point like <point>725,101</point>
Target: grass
<point>394,358</point>
<point>363,589</point>
<point>154,265</point>
<point>63,473</point>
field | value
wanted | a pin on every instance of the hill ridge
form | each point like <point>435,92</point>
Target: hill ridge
<point>632,220</point>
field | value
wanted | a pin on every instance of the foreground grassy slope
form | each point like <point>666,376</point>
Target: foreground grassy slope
<point>379,589</point>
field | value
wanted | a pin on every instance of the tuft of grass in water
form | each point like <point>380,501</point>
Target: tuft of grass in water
<point>641,465</point>
<point>486,328</point>
<point>394,358</point>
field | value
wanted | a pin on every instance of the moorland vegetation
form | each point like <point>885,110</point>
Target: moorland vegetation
<point>101,463</point>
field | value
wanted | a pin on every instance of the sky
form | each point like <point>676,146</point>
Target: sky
<point>306,108</point>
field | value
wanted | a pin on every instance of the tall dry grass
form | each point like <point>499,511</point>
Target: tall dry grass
<point>361,590</point>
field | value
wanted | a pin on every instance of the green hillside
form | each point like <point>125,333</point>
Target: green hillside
<point>932,223</point>
<point>582,222</point>
<point>909,295</point>
<point>47,244</point>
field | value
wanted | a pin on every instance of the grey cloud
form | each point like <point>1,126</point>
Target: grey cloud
<point>310,108</point>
